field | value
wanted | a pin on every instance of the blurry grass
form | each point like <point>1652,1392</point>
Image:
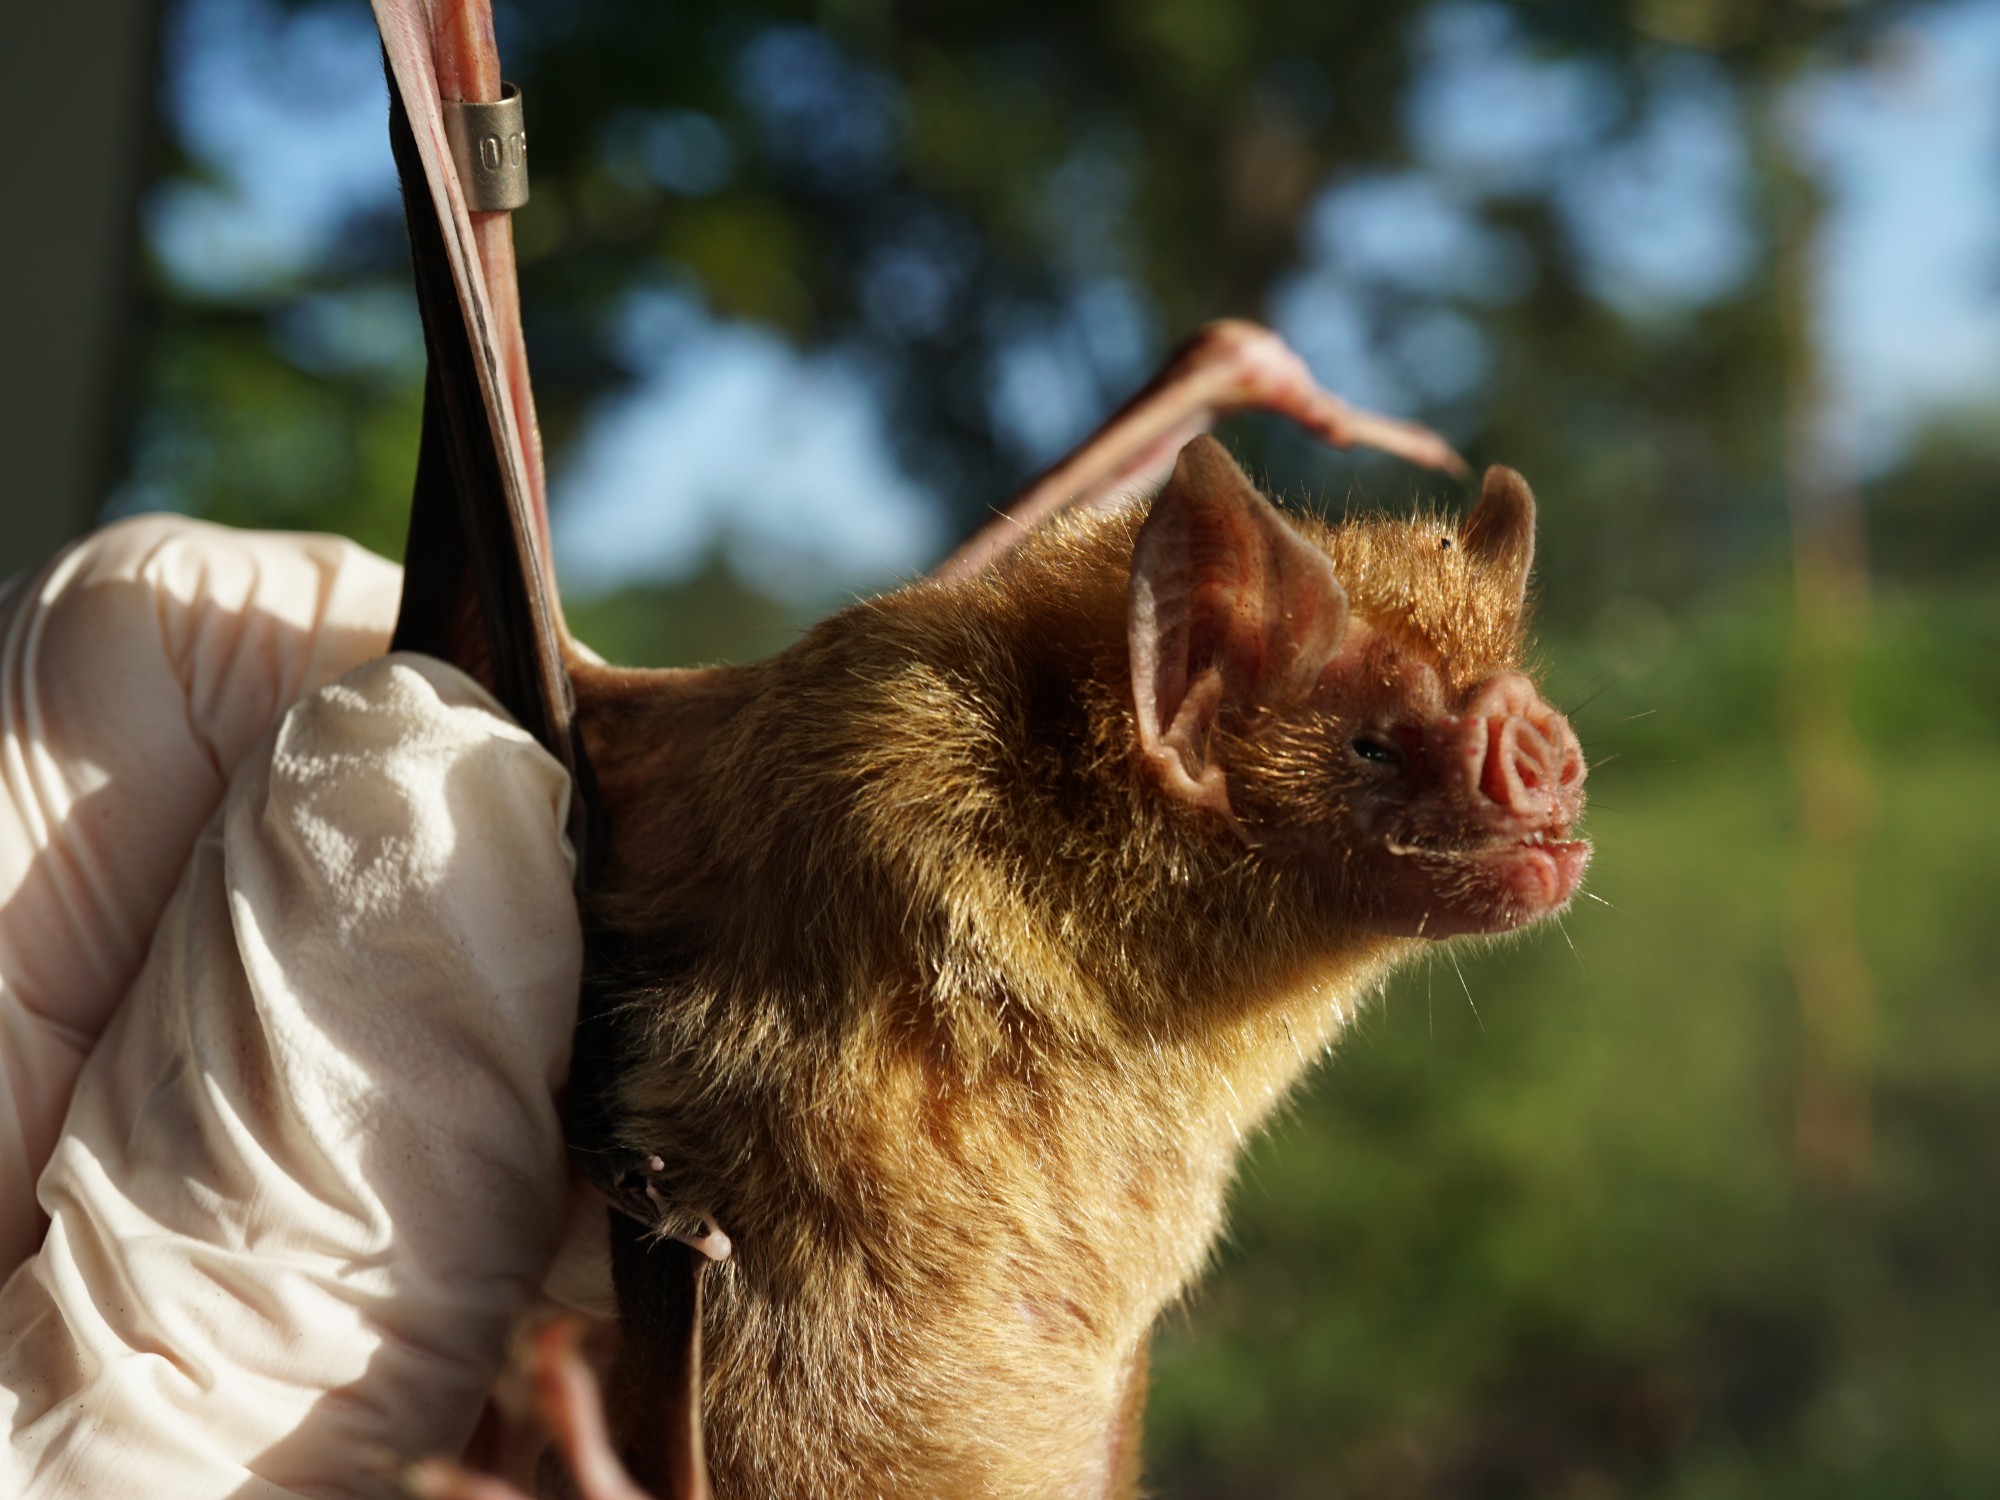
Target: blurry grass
<point>1563,1248</point>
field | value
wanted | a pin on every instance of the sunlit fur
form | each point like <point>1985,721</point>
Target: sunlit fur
<point>956,1024</point>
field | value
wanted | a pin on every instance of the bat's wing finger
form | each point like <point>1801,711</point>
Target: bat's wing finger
<point>1226,367</point>
<point>1346,426</point>
<point>477,587</point>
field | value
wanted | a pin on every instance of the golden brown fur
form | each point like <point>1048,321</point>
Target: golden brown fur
<point>956,1024</point>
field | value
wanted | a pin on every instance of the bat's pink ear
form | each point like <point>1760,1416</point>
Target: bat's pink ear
<point>1229,605</point>
<point>1500,532</point>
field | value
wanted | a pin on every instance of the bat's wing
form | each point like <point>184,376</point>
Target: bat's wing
<point>478,589</point>
<point>1224,368</point>
<point>479,592</point>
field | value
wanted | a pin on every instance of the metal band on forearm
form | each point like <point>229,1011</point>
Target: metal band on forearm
<point>489,146</point>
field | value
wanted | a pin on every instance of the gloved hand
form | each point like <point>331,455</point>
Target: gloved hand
<point>313,1169</point>
<point>135,671</point>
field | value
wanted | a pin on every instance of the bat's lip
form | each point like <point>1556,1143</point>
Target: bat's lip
<point>1538,874</point>
<point>1501,883</point>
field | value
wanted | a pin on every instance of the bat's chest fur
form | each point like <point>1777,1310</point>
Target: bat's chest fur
<point>961,1063</point>
<point>917,1243</point>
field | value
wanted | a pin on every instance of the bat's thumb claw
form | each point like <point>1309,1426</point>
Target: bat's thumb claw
<point>711,1242</point>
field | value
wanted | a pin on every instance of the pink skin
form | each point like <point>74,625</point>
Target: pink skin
<point>1517,762</point>
<point>1467,800</point>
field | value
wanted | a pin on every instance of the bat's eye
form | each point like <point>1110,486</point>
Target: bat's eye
<point>1444,544</point>
<point>1377,752</point>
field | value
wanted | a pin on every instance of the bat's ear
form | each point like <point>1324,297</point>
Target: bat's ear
<point>1500,532</point>
<point>1229,605</point>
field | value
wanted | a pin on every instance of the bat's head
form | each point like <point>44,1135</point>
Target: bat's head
<point>1350,701</point>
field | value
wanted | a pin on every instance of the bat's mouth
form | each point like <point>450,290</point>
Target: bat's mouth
<point>1537,876</point>
<point>1495,885</point>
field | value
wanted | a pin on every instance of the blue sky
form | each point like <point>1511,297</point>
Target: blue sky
<point>1907,147</point>
<point>1910,278</point>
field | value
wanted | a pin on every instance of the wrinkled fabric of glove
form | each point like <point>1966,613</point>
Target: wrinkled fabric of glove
<point>311,1169</point>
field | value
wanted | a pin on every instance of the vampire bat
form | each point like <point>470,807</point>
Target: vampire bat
<point>937,968</point>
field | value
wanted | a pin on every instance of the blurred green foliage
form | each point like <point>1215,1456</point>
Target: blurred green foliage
<point>1561,1246</point>
<point>712,615</point>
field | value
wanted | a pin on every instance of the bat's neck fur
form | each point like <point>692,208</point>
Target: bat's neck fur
<point>952,1022</point>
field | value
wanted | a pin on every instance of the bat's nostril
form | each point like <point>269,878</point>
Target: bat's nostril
<point>1499,776</point>
<point>1522,766</point>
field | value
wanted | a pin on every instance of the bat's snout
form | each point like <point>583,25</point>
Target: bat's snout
<point>1521,761</point>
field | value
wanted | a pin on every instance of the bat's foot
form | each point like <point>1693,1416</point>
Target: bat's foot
<point>568,1400</point>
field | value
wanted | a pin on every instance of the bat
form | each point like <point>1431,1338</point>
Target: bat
<point>937,968</point>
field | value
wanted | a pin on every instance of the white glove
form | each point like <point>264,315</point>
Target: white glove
<point>135,671</point>
<point>313,1171</point>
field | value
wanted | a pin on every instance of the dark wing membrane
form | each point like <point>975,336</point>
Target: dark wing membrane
<point>476,584</point>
